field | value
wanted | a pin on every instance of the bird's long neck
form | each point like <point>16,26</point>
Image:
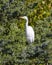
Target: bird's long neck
<point>26,23</point>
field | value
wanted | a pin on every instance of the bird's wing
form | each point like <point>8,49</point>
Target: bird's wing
<point>30,31</point>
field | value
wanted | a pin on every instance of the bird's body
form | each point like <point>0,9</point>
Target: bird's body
<point>29,34</point>
<point>29,31</point>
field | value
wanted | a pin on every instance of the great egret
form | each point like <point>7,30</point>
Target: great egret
<point>29,31</point>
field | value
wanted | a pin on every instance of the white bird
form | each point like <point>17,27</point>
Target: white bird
<point>29,31</point>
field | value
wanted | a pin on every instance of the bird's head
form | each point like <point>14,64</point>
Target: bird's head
<point>24,17</point>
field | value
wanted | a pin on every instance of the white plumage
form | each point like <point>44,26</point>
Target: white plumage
<point>29,31</point>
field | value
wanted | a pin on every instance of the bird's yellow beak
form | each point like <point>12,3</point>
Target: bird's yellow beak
<point>21,17</point>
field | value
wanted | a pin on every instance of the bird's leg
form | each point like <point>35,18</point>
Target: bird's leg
<point>30,45</point>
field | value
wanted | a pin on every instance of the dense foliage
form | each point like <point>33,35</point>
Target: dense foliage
<point>13,47</point>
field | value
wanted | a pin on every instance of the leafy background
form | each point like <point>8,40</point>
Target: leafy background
<point>13,47</point>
